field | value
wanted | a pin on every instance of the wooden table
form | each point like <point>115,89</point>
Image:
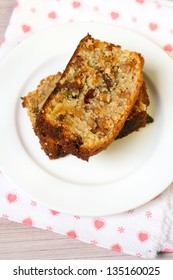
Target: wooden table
<point>21,242</point>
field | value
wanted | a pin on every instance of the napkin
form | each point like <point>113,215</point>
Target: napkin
<point>146,230</point>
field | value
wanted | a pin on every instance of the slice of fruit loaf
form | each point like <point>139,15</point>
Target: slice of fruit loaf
<point>34,101</point>
<point>93,98</point>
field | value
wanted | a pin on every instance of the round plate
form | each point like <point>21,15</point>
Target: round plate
<point>129,173</point>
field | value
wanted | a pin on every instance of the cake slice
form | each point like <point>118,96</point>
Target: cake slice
<point>93,98</point>
<point>34,101</point>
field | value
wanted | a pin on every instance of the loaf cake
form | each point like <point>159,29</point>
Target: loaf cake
<point>34,101</point>
<point>93,98</point>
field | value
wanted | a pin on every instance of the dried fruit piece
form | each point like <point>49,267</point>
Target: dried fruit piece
<point>89,95</point>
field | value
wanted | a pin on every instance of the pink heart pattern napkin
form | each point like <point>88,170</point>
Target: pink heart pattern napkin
<point>141,232</point>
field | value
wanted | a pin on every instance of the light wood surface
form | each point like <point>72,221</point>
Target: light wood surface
<point>21,242</point>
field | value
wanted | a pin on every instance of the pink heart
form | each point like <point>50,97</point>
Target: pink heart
<point>27,222</point>
<point>99,224</point>
<point>114,15</point>
<point>167,250</point>
<point>26,28</point>
<point>140,1</point>
<point>168,48</point>
<point>52,15</point>
<point>72,234</point>
<point>116,247</point>
<point>17,4</point>
<point>11,197</point>
<point>54,213</point>
<point>33,10</point>
<point>153,26</point>
<point>96,8</point>
<point>76,4</point>
<point>143,236</point>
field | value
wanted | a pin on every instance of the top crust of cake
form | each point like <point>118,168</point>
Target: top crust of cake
<point>93,97</point>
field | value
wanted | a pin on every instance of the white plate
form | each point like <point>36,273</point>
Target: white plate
<point>129,173</point>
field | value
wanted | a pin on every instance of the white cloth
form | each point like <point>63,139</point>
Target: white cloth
<point>144,231</point>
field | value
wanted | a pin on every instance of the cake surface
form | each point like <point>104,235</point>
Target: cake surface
<point>34,101</point>
<point>93,98</point>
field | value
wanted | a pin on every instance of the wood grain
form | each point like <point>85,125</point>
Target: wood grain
<point>21,242</point>
<point>6,7</point>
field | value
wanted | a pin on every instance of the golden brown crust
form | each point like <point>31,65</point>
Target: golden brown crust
<point>139,120</point>
<point>51,147</point>
<point>92,102</point>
